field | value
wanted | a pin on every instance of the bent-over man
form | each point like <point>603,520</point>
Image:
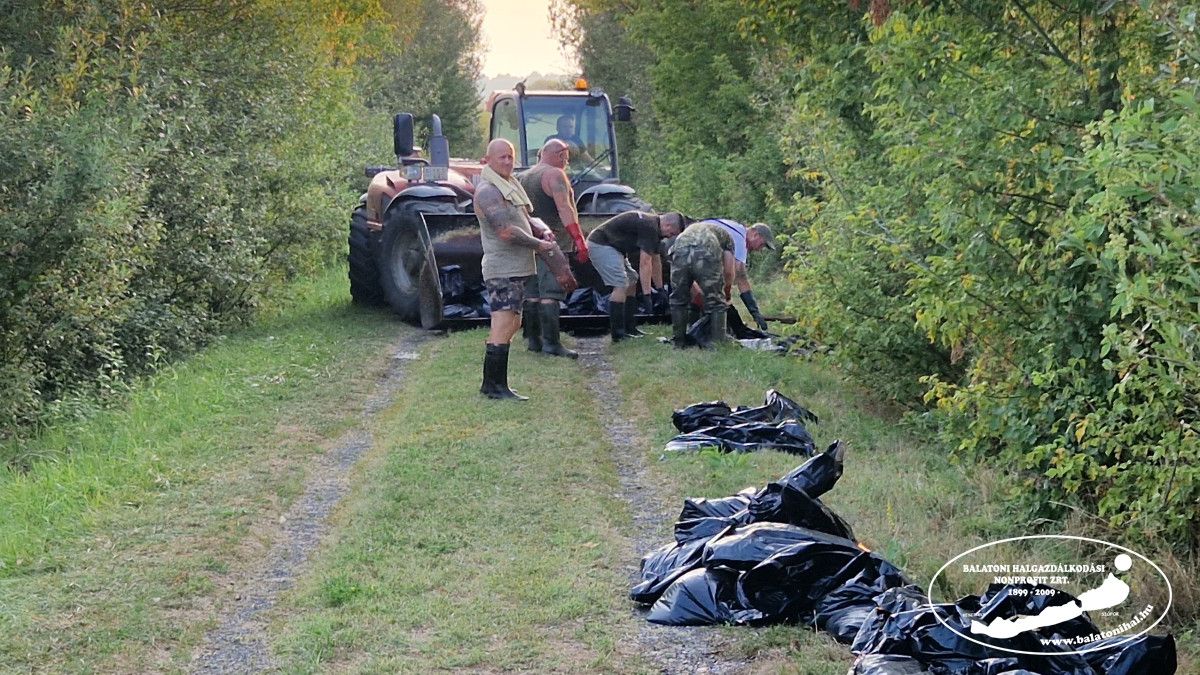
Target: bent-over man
<point>509,246</point>
<point>746,239</point>
<point>610,244</point>
<point>702,254</point>
<point>553,199</point>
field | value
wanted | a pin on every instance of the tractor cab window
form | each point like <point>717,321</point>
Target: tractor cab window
<point>506,123</point>
<point>584,128</point>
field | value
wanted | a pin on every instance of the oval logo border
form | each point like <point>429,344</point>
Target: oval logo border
<point>1162,615</point>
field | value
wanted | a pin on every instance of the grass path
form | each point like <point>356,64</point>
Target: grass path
<point>460,534</point>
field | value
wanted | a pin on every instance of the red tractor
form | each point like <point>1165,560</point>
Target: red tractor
<point>416,220</point>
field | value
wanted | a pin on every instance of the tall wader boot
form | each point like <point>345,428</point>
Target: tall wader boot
<point>679,326</point>
<point>531,325</point>
<point>551,340</point>
<point>718,336</point>
<point>495,374</point>
<point>631,329</point>
<point>616,320</point>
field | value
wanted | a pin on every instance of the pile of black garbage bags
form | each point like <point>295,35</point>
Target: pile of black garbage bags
<point>778,554</point>
<point>777,424</point>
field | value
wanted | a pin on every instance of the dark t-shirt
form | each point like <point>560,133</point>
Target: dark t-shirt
<point>628,232</point>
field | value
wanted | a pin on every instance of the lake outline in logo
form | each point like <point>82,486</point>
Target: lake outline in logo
<point>1105,595</point>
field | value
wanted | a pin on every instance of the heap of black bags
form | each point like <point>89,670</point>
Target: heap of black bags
<point>777,424</point>
<point>778,554</point>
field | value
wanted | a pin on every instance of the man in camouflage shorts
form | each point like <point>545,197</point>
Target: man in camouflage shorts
<point>703,255</point>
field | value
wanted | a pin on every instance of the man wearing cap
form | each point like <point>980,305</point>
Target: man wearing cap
<point>746,239</point>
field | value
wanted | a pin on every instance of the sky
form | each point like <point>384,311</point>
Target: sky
<point>518,40</point>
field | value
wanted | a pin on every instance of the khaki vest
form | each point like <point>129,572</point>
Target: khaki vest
<point>502,260</point>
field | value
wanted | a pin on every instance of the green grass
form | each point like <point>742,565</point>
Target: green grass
<point>481,534</point>
<point>477,535</point>
<point>115,543</point>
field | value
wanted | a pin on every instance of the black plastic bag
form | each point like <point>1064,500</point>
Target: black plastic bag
<point>701,415</point>
<point>775,408</point>
<point>793,583</point>
<point>456,311</point>
<point>699,507</point>
<point>581,301</point>
<point>780,503</point>
<point>702,597</point>
<point>887,664</point>
<point>705,528</point>
<point>746,547</point>
<point>664,565</point>
<point>820,473</point>
<point>1145,654</point>
<point>789,437</point>
<point>453,287</point>
<point>844,610</point>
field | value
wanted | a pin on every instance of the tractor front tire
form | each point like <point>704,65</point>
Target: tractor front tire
<point>401,258</point>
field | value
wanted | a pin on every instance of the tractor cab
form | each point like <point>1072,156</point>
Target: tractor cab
<point>582,118</point>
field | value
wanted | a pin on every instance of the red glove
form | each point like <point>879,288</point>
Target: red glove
<point>581,250</point>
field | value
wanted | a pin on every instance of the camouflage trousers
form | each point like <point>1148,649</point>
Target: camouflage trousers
<point>698,262</point>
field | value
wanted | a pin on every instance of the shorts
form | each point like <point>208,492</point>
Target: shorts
<point>505,294</point>
<point>613,266</point>
<point>543,285</point>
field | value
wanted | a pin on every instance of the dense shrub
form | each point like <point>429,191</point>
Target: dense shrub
<point>991,209</point>
<point>164,166</point>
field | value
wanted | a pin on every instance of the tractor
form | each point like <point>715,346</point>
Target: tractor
<point>414,238</point>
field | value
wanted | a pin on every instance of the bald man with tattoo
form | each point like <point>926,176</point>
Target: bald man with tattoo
<point>511,239</point>
<point>549,188</point>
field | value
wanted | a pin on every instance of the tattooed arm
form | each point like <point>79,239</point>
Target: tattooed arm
<point>506,219</point>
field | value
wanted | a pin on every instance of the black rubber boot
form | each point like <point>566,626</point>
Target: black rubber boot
<point>718,334</point>
<point>531,325</point>
<point>679,325</point>
<point>616,320</point>
<point>631,329</point>
<point>495,374</point>
<point>551,338</point>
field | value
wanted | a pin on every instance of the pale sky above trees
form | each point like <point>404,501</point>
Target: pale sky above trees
<point>518,39</point>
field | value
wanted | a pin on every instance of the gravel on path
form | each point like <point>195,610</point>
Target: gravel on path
<point>238,644</point>
<point>673,649</point>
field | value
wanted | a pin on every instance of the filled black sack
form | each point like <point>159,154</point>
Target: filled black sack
<point>1145,654</point>
<point>700,416</point>
<point>581,301</point>
<point>705,528</point>
<point>702,597</point>
<point>792,583</point>
<point>454,289</point>
<point>699,507</point>
<point>457,311</point>
<point>844,610</point>
<point>789,437</point>
<point>746,547</point>
<point>776,408</point>
<point>664,565</point>
<point>820,473</point>
<point>780,503</point>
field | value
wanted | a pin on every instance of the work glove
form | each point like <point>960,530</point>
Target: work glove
<point>752,307</point>
<point>647,304</point>
<point>581,249</point>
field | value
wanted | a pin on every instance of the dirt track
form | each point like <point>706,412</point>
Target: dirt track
<point>239,642</point>
<point>672,649</point>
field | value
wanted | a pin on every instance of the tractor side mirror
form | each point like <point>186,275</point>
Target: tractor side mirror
<point>402,134</point>
<point>623,110</point>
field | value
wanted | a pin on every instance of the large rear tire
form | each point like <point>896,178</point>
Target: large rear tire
<point>401,257</point>
<point>364,276</point>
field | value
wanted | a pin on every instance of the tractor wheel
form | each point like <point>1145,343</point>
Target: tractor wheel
<point>401,256</point>
<point>364,277</point>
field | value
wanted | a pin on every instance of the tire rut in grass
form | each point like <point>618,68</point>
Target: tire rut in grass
<point>672,649</point>
<point>239,642</point>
